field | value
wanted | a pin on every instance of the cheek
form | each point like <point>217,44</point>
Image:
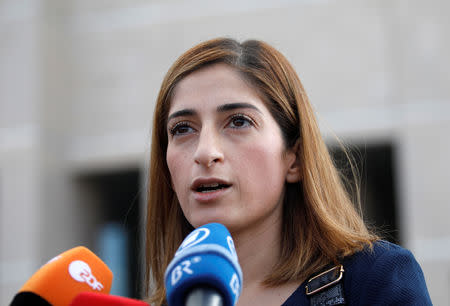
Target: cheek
<point>263,167</point>
<point>175,164</point>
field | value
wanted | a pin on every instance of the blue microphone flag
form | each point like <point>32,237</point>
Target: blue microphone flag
<point>206,257</point>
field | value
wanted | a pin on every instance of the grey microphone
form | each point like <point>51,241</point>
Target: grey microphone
<point>204,296</point>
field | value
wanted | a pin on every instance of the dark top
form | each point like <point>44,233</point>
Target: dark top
<point>388,275</point>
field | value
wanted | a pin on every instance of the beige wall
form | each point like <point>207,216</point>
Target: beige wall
<point>78,80</point>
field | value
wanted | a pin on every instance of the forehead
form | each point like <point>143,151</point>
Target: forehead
<point>212,85</point>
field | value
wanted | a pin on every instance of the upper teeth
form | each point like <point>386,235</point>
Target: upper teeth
<point>210,185</point>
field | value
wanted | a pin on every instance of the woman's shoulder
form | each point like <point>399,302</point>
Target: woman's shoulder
<point>384,274</point>
<point>381,253</point>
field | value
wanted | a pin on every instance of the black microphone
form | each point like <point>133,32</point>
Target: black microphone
<point>205,270</point>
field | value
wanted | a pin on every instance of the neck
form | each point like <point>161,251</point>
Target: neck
<point>258,251</point>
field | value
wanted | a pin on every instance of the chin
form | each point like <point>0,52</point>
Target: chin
<point>197,221</point>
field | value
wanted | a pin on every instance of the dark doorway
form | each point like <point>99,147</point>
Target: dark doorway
<point>375,168</point>
<point>115,201</point>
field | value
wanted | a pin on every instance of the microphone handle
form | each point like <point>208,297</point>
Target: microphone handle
<point>204,296</point>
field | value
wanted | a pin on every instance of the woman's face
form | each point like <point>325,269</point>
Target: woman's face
<point>225,153</point>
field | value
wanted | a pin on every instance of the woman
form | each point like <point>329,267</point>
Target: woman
<point>235,141</point>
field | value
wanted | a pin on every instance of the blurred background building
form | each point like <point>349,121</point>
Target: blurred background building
<point>78,81</point>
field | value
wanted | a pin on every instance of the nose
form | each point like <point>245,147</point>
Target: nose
<point>208,150</point>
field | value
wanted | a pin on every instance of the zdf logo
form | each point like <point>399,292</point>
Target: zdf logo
<point>81,272</point>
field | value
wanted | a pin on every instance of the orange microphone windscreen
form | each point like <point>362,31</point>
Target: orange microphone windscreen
<point>65,276</point>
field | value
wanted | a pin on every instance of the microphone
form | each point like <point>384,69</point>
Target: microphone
<point>101,299</point>
<point>63,277</point>
<point>205,270</point>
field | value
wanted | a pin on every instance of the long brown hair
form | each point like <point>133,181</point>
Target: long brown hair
<point>320,222</point>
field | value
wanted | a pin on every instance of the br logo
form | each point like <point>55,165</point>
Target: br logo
<point>234,284</point>
<point>231,246</point>
<point>194,238</point>
<point>81,272</point>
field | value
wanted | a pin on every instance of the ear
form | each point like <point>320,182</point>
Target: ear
<point>294,173</point>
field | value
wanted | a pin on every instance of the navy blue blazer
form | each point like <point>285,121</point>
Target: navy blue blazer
<point>388,275</point>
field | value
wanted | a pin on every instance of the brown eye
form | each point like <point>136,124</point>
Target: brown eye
<point>240,121</point>
<point>181,128</point>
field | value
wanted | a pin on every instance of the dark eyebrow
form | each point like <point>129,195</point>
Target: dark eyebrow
<point>233,106</point>
<point>183,112</point>
<point>220,109</point>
